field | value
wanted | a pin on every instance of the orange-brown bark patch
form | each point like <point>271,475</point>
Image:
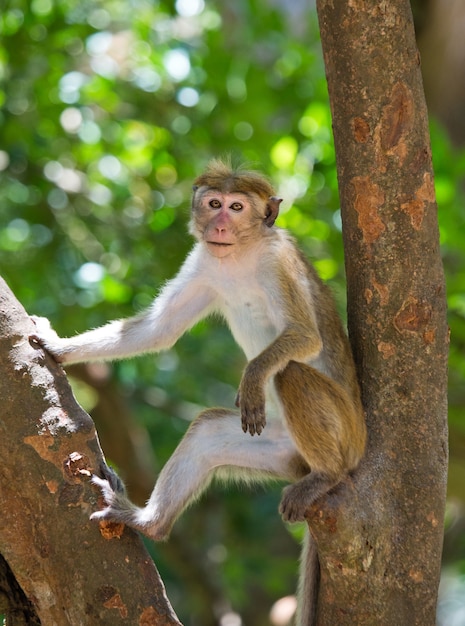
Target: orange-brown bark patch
<point>383,292</point>
<point>361,129</point>
<point>397,119</point>
<point>77,465</point>
<point>368,200</point>
<point>386,349</point>
<point>149,617</point>
<point>416,206</point>
<point>111,530</point>
<point>115,602</point>
<point>413,315</point>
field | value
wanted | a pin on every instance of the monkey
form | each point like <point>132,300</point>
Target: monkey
<point>298,398</point>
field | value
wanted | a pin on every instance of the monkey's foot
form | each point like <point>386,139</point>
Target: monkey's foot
<point>118,507</point>
<point>121,510</point>
<point>294,503</point>
<point>109,496</point>
<point>299,497</point>
<point>110,484</point>
<point>112,512</point>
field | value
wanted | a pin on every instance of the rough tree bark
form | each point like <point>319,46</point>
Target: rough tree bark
<point>127,443</point>
<point>71,571</point>
<point>380,537</point>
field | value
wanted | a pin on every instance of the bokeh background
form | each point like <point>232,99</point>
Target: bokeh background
<point>108,111</point>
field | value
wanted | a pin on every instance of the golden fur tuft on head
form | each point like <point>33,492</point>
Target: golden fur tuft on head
<point>223,176</point>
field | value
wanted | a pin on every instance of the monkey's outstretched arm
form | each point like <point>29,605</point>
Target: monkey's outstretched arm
<point>182,302</point>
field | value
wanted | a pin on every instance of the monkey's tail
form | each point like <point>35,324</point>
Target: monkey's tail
<point>309,583</point>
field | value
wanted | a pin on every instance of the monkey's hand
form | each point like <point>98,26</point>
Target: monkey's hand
<point>251,400</point>
<point>47,338</point>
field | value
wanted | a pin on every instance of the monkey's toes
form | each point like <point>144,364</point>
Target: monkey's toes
<point>291,513</point>
<point>99,516</point>
<point>292,509</point>
<point>110,477</point>
<point>108,493</point>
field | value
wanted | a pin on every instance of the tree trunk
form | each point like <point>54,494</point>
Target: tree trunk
<point>72,571</point>
<point>380,537</point>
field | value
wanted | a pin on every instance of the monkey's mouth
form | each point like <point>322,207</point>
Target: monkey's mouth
<point>217,243</point>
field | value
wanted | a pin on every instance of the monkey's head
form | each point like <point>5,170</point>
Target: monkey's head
<point>231,208</point>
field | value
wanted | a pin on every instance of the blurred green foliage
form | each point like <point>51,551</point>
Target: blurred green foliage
<point>108,110</point>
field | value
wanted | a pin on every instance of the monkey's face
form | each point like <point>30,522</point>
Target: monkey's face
<point>226,221</point>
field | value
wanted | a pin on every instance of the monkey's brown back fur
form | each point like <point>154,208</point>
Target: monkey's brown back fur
<point>323,408</point>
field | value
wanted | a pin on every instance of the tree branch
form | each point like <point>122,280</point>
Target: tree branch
<point>71,570</point>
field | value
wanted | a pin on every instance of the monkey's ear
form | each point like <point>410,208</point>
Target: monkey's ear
<point>272,210</point>
<point>194,188</point>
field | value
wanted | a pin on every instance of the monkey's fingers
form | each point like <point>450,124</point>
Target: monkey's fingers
<point>245,423</point>
<point>253,421</point>
<point>36,340</point>
<point>248,422</point>
<point>259,421</point>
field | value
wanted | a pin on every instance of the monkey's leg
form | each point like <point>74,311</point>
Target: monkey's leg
<point>216,445</point>
<point>320,417</point>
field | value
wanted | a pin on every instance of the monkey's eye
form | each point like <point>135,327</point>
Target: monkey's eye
<point>236,206</point>
<point>215,204</point>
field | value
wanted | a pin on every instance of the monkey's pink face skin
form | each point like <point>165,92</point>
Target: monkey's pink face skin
<point>224,215</point>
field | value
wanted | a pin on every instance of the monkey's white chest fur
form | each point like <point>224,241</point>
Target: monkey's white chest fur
<point>250,321</point>
<point>245,299</point>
